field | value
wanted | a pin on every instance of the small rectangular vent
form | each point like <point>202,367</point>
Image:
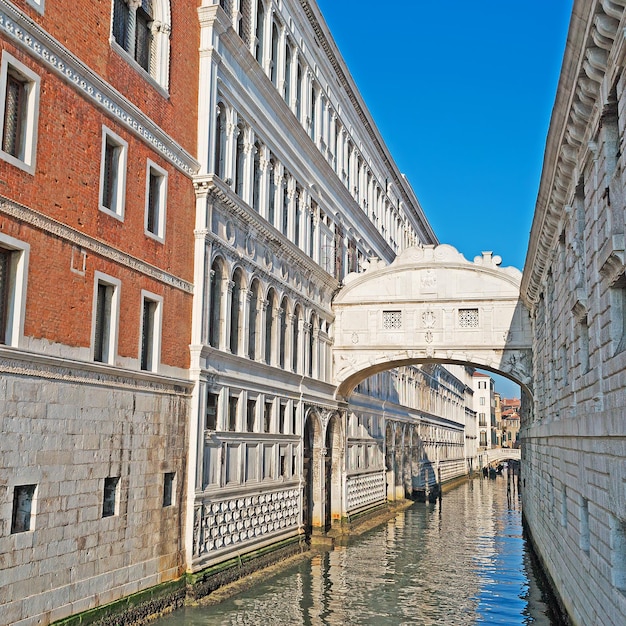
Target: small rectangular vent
<point>392,320</point>
<point>468,318</point>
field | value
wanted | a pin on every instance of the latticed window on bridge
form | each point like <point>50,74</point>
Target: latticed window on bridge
<point>392,320</point>
<point>468,318</point>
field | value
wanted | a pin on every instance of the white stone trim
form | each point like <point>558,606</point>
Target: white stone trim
<point>157,330</point>
<point>116,284</point>
<point>14,332</point>
<point>32,80</point>
<point>120,183</point>
<point>20,30</point>
<point>50,226</point>
<point>159,235</point>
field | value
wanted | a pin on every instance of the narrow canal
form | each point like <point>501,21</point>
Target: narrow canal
<point>459,561</point>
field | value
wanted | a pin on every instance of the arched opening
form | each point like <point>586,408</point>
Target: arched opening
<point>253,320</point>
<point>235,311</point>
<point>240,160</point>
<point>270,335</point>
<point>282,333</point>
<point>215,304</point>
<point>219,166</point>
<point>312,504</point>
<point>295,340</point>
<point>334,472</point>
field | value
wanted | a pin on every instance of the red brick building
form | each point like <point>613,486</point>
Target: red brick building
<point>96,270</point>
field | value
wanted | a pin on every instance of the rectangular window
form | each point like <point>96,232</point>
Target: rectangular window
<point>481,401</point>
<point>211,465</point>
<point>252,460</point>
<point>268,461</point>
<point>267,416</point>
<point>618,552</point>
<point>105,318</point>
<point>168,488</point>
<point>232,463</point>
<point>19,103</point>
<point>113,174</point>
<point>150,332</point>
<point>13,272</point>
<point>156,194</point>
<point>468,318</point>
<point>251,414</point>
<point>110,501</point>
<point>211,411</point>
<point>618,314</point>
<point>23,508</point>
<point>233,404</point>
<point>392,320</point>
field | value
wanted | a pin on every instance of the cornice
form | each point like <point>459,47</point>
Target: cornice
<point>281,247</point>
<point>28,35</point>
<point>346,82</point>
<point>71,235</point>
<point>23,363</point>
<point>594,48</point>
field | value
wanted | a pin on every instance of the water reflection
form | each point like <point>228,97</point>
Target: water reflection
<point>459,561</point>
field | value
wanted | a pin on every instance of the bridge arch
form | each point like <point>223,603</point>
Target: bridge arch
<point>431,305</point>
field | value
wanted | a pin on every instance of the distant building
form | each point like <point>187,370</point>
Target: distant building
<point>484,405</point>
<point>509,425</point>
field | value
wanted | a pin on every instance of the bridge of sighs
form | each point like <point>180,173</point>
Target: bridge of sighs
<point>431,305</point>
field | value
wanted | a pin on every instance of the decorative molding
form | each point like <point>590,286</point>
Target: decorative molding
<point>223,523</point>
<point>81,240</point>
<point>364,490</point>
<point>21,363</point>
<point>41,46</point>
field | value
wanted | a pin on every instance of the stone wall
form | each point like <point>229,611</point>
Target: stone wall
<point>66,433</point>
<point>574,443</point>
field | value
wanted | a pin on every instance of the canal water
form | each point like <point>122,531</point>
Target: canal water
<point>461,560</point>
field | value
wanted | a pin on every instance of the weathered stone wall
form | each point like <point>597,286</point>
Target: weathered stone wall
<point>65,432</point>
<point>574,444</point>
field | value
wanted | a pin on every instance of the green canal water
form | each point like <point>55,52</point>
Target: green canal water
<point>461,560</point>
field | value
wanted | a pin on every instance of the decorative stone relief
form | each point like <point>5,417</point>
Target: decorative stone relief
<point>221,524</point>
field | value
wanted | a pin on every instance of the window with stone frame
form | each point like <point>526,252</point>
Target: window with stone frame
<point>110,500</point>
<point>618,314</point>
<point>150,331</point>
<point>23,508</point>
<point>113,174</point>
<point>105,318</point>
<point>156,198</point>
<point>19,103</point>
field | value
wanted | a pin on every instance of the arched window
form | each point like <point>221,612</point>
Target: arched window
<point>260,28</point>
<point>285,219</point>
<point>313,129</point>
<point>274,66</point>
<point>297,215</point>
<point>295,339</point>
<point>288,57</point>
<point>312,344</point>
<point>142,30</point>
<point>299,92</point>
<point>215,311</point>
<point>235,311</point>
<point>240,160</point>
<point>220,141</point>
<point>256,188</point>
<point>269,326</point>
<point>253,319</point>
<point>282,329</point>
<point>271,209</point>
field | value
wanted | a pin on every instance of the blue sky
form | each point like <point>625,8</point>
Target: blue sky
<point>462,93</point>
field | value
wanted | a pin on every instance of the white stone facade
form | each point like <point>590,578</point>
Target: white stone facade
<point>574,444</point>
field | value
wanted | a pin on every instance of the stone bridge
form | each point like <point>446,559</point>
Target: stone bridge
<point>499,454</point>
<point>431,305</point>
